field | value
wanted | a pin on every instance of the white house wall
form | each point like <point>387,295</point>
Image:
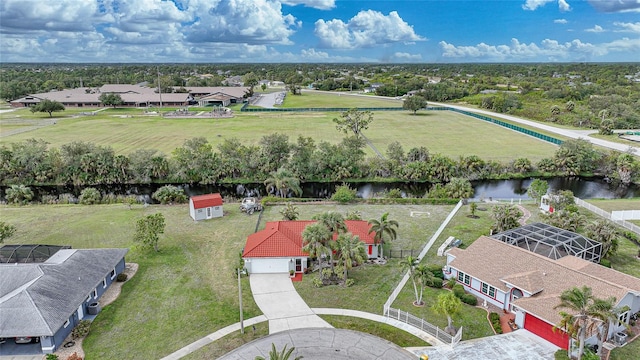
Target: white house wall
<point>501,299</point>
<point>272,265</point>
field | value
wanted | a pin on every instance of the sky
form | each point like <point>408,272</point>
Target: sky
<point>319,31</point>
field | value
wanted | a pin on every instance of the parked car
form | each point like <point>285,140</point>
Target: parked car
<point>249,205</point>
<point>3,340</point>
<point>27,339</point>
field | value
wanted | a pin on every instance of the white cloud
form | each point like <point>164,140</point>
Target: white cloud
<point>560,21</point>
<point>406,57</point>
<point>563,5</point>
<point>241,21</point>
<point>595,29</point>
<point>367,29</point>
<point>612,6</point>
<point>516,51</point>
<point>316,4</point>
<point>61,15</point>
<point>628,27</point>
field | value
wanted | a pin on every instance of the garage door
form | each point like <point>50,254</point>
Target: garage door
<point>545,331</point>
<point>269,266</point>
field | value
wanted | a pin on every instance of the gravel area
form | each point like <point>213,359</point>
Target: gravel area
<point>107,298</point>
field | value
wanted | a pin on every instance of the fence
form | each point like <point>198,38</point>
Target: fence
<point>625,215</point>
<point>504,124</point>
<point>245,108</point>
<point>596,210</point>
<point>403,253</point>
<point>424,326</point>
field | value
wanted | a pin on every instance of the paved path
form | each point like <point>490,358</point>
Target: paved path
<point>281,304</point>
<point>526,214</point>
<point>322,344</point>
<point>518,345</point>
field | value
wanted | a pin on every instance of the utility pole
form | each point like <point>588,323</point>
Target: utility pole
<point>240,299</point>
<point>159,88</point>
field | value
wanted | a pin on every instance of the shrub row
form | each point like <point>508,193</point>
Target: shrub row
<point>495,322</point>
<point>465,297</point>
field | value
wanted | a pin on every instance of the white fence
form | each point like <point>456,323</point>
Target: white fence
<point>424,326</point>
<point>596,210</point>
<point>625,215</point>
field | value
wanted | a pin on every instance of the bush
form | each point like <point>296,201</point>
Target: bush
<point>317,282</point>
<point>81,330</point>
<point>90,196</point>
<point>458,290</point>
<point>349,282</point>
<point>51,357</point>
<point>344,194</point>
<point>394,194</point>
<point>605,262</point>
<point>436,283</point>
<point>436,270</point>
<point>494,318</point>
<point>122,277</point>
<point>170,194</point>
<point>561,355</point>
<point>19,194</point>
<point>469,299</point>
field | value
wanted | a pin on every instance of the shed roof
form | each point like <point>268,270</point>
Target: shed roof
<point>36,299</point>
<point>205,201</point>
<point>284,238</point>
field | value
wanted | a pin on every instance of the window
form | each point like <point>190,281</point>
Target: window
<point>104,283</point>
<point>95,293</point>
<point>464,278</point>
<point>488,290</point>
<point>88,298</point>
<point>66,323</point>
<point>199,211</point>
<point>208,212</point>
<point>624,318</point>
<point>113,273</point>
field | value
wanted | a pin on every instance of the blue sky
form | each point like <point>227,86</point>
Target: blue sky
<point>325,31</point>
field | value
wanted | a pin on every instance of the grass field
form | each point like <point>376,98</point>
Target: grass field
<point>328,100</point>
<point>179,295</point>
<point>127,130</point>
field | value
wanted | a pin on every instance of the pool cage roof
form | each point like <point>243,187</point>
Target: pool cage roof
<point>552,242</point>
<point>10,254</point>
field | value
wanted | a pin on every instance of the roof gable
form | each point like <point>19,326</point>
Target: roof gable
<point>284,238</point>
<point>205,201</point>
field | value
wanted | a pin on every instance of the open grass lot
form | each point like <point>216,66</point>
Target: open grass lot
<point>387,332</point>
<point>230,342</point>
<point>442,132</point>
<point>179,295</point>
<point>616,204</point>
<point>336,99</point>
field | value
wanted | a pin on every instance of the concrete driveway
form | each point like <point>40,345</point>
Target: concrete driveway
<point>281,305</point>
<point>518,345</point>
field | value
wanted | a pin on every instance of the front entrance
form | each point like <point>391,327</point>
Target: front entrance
<point>298,265</point>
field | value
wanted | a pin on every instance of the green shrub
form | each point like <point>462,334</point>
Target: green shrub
<point>349,282</point>
<point>469,299</point>
<point>436,283</point>
<point>51,357</point>
<point>344,194</point>
<point>81,330</point>
<point>605,262</point>
<point>170,194</point>
<point>458,290</point>
<point>436,270</point>
<point>561,355</point>
<point>90,196</point>
<point>394,194</point>
<point>317,282</point>
<point>19,194</point>
<point>122,277</point>
<point>494,316</point>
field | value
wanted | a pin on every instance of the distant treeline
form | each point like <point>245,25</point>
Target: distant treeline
<point>33,162</point>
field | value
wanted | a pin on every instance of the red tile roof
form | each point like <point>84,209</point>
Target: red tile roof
<point>284,238</point>
<point>205,201</point>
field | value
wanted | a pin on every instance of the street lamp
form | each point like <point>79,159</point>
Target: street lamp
<point>240,298</point>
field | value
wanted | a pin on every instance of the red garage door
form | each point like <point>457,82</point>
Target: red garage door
<point>545,331</point>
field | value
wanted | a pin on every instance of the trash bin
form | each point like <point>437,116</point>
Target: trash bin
<point>93,308</point>
<point>621,338</point>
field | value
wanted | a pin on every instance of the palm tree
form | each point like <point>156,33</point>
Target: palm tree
<point>605,232</point>
<point>383,227</point>
<point>425,277</point>
<point>283,181</point>
<point>409,264</point>
<point>448,304</point>
<point>283,355</point>
<point>290,212</point>
<point>350,249</point>
<point>605,311</point>
<point>314,240</point>
<point>581,322</point>
<point>334,222</point>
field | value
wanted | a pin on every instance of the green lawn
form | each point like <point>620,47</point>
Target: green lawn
<point>387,332</point>
<point>179,295</point>
<point>616,204</point>
<point>230,342</point>
<point>127,130</point>
<point>629,351</point>
<point>336,99</point>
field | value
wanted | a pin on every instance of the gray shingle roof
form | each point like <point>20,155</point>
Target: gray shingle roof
<point>37,299</point>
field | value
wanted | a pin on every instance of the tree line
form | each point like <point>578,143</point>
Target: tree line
<point>34,162</point>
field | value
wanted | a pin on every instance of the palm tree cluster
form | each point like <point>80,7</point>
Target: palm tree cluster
<point>587,315</point>
<point>420,276</point>
<point>328,239</point>
<point>383,228</point>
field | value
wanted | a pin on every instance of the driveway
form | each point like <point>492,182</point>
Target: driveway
<point>281,305</point>
<point>518,345</point>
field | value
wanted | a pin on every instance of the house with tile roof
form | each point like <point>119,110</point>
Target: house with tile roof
<point>47,300</point>
<point>206,206</point>
<point>278,247</point>
<point>529,285</point>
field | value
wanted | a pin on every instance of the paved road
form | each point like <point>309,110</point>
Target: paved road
<point>323,344</point>
<point>281,305</point>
